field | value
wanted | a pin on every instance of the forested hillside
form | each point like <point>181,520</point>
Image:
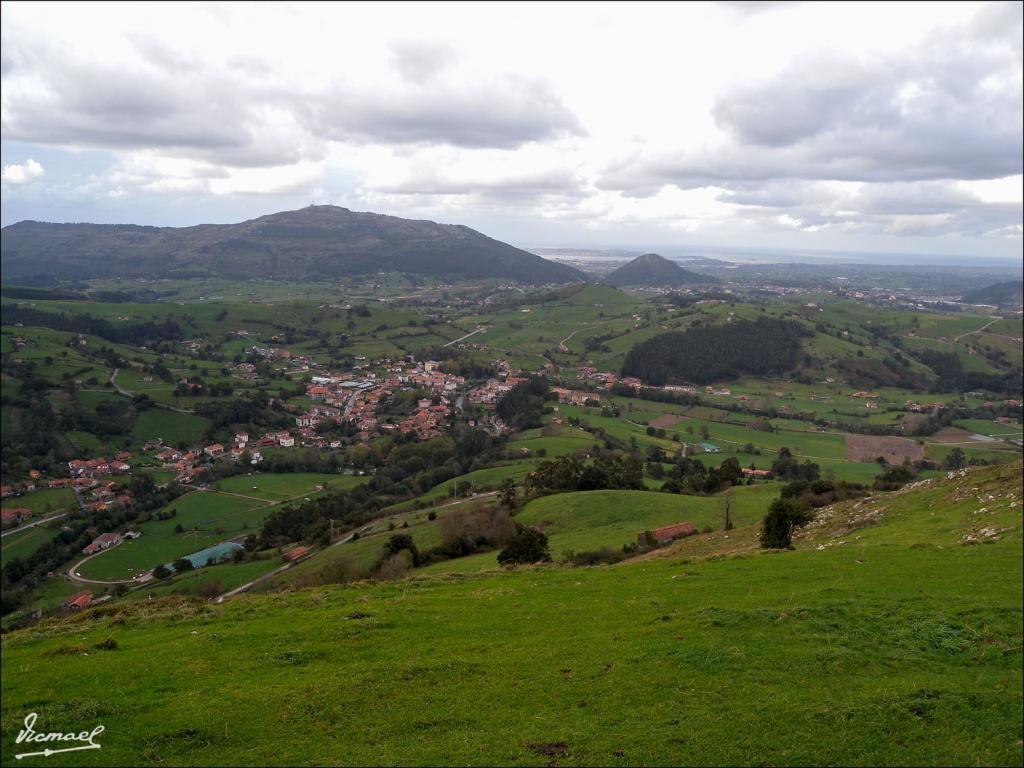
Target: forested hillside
<point>706,354</point>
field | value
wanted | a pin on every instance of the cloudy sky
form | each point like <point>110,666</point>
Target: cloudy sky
<point>869,127</point>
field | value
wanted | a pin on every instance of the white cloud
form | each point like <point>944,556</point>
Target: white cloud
<point>839,124</point>
<point>20,174</point>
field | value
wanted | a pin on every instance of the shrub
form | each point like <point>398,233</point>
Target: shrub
<point>784,515</point>
<point>527,546</point>
<point>603,556</point>
<point>209,589</point>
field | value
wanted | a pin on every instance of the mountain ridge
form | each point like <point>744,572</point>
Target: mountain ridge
<point>317,242</point>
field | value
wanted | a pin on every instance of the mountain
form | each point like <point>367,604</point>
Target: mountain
<point>313,243</point>
<point>652,269</point>
<point>1008,294</point>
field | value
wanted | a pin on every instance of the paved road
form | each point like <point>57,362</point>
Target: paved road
<point>33,525</point>
<point>481,329</point>
<point>73,575</point>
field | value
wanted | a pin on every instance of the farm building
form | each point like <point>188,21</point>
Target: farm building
<point>77,601</point>
<point>665,535</point>
<point>101,542</point>
<point>16,515</point>
<point>710,448</point>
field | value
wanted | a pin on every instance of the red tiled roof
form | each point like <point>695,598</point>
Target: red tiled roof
<point>671,531</point>
<point>79,600</point>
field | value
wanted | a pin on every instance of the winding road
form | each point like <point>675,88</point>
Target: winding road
<point>122,391</point>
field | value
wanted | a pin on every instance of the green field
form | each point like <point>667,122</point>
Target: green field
<point>226,576</point>
<point>278,487</point>
<point>885,643</point>
<point>206,517</point>
<point>44,501</point>
<point>173,428</point>
<point>23,543</point>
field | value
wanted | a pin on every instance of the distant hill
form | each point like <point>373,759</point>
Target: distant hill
<point>1008,294</point>
<point>652,269</point>
<point>312,243</point>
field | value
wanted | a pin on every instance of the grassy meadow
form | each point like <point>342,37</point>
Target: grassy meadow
<point>887,642</point>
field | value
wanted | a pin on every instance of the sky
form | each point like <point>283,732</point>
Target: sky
<point>874,127</point>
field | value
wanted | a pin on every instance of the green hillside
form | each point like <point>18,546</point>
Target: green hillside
<point>885,638</point>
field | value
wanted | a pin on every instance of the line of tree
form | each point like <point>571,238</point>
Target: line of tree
<point>121,333</point>
<point>568,473</point>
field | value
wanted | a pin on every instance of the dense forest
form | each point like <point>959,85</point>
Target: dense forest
<point>705,354</point>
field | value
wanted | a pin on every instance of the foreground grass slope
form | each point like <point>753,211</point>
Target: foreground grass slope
<point>902,646</point>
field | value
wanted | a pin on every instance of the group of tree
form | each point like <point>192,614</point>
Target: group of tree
<point>134,333</point>
<point>706,353</point>
<point>405,468</point>
<point>689,475</point>
<point>787,467</point>
<point>568,473</point>
<point>523,405</point>
<point>952,377</point>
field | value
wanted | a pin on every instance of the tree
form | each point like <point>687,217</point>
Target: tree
<point>507,493</point>
<point>784,516</point>
<point>527,546</point>
<point>956,459</point>
<point>183,564</point>
<point>400,542</point>
<point>726,510</point>
<point>161,572</point>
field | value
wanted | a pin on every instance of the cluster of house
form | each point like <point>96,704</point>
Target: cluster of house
<point>575,396</point>
<point>915,407</point>
<point>356,400</point>
<point>188,464</point>
<point>493,390</point>
<point>101,495</point>
<point>244,371</point>
<point>98,467</point>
